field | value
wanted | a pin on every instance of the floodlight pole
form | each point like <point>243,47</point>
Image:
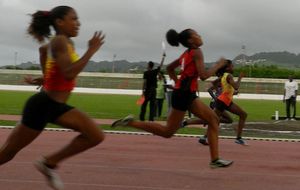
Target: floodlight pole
<point>113,63</point>
<point>15,59</point>
<point>244,59</point>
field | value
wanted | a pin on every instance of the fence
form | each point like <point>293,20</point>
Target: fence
<point>134,81</point>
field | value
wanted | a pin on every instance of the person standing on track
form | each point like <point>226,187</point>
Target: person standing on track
<point>149,89</point>
<point>160,93</point>
<point>290,97</point>
<point>184,95</point>
<point>61,65</point>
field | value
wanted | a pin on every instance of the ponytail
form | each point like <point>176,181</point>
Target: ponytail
<point>174,38</point>
<point>39,28</point>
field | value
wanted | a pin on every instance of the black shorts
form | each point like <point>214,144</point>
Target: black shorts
<point>182,100</point>
<point>40,109</point>
<point>221,106</point>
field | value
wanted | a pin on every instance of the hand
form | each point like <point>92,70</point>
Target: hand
<point>28,79</point>
<point>222,62</point>
<point>96,41</point>
<point>36,81</point>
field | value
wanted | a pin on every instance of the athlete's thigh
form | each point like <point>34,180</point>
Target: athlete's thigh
<point>20,137</point>
<point>235,109</point>
<point>226,115</point>
<point>78,121</point>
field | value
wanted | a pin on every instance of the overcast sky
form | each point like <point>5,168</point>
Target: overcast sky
<point>135,29</point>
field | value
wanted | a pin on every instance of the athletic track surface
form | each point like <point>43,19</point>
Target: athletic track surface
<point>147,162</point>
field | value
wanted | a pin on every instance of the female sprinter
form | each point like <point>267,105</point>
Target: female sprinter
<point>184,95</point>
<point>61,66</point>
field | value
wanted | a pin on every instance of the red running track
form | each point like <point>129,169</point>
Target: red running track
<point>145,162</point>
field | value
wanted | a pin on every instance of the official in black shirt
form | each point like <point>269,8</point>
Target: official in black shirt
<point>149,89</point>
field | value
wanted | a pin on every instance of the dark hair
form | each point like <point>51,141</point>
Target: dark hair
<point>150,64</point>
<point>174,38</point>
<point>41,21</point>
<point>223,69</point>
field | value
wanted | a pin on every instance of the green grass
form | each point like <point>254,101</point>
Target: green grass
<point>116,106</point>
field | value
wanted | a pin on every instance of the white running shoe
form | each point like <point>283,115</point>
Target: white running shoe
<point>52,177</point>
<point>220,163</point>
<point>241,142</point>
<point>122,122</point>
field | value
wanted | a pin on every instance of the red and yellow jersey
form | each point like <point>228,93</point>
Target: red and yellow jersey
<point>227,90</point>
<point>53,77</point>
<point>189,74</point>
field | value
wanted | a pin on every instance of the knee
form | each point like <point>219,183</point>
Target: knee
<point>243,115</point>
<point>213,119</point>
<point>96,139</point>
<point>168,134</point>
<point>7,156</point>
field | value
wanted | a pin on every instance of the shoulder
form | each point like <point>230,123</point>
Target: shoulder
<point>228,76</point>
<point>196,54</point>
<point>43,48</point>
<point>196,51</point>
<point>59,42</point>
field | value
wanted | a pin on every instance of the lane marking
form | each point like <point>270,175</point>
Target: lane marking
<point>176,135</point>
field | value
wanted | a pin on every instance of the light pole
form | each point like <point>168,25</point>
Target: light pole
<point>113,63</point>
<point>244,54</point>
<point>15,59</point>
<point>245,61</point>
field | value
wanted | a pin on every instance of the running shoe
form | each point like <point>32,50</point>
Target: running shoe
<point>184,123</point>
<point>52,177</point>
<point>203,140</point>
<point>122,122</point>
<point>220,163</point>
<point>240,141</point>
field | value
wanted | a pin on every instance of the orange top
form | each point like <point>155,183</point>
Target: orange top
<point>53,78</point>
<point>227,90</point>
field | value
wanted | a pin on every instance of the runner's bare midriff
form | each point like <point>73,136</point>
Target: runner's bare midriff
<point>59,96</point>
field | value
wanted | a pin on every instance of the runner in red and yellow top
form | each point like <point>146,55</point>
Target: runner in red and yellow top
<point>184,96</point>
<point>60,66</point>
<point>53,78</point>
<point>224,101</point>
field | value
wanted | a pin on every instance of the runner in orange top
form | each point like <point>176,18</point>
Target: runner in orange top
<point>60,66</point>
<point>224,101</point>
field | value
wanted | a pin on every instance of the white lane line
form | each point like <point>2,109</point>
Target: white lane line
<point>176,135</point>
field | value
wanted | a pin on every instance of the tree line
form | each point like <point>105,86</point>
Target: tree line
<point>264,71</point>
